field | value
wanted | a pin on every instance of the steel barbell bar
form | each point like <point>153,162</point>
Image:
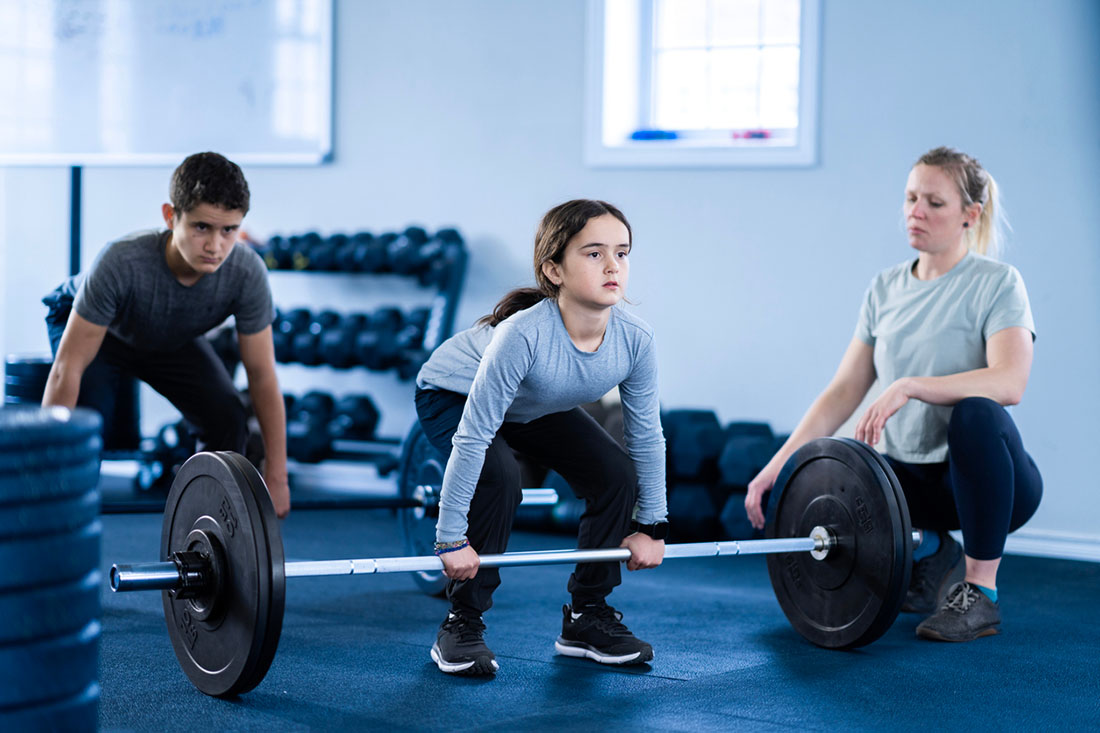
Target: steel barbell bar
<point>169,575</point>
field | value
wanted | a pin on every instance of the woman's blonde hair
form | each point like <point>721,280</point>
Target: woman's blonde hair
<point>975,186</point>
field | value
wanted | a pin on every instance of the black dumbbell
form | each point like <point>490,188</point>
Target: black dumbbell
<point>370,252</point>
<point>693,512</point>
<point>449,234</point>
<point>277,254</point>
<point>443,254</point>
<point>376,346</point>
<point>354,417</point>
<point>411,336</point>
<point>322,256</point>
<point>337,347</point>
<point>288,325</point>
<point>747,449</point>
<point>693,440</point>
<point>301,249</point>
<point>175,444</point>
<point>389,316</point>
<point>164,454</point>
<point>343,252</point>
<point>297,249</point>
<point>409,363</point>
<point>405,251</point>
<point>419,317</point>
<point>283,331</point>
<point>361,259</point>
<point>409,344</point>
<point>433,249</point>
<point>373,254</point>
<point>307,343</point>
<point>411,352</point>
<point>307,438</point>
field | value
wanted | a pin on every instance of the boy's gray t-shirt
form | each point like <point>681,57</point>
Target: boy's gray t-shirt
<point>932,328</point>
<point>131,290</point>
<point>528,367</point>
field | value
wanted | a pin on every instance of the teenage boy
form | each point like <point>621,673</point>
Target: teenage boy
<point>143,307</point>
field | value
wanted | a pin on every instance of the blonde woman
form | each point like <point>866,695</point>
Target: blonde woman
<point>949,334</point>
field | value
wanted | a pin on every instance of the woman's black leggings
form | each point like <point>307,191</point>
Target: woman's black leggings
<point>571,443</point>
<point>988,486</point>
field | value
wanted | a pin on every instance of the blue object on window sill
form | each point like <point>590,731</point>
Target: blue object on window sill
<point>653,135</point>
<point>752,135</point>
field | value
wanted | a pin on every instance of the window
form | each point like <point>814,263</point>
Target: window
<point>702,82</point>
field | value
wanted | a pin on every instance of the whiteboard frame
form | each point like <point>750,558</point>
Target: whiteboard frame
<point>323,155</point>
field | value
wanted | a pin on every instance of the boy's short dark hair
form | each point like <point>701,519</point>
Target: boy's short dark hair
<point>208,178</point>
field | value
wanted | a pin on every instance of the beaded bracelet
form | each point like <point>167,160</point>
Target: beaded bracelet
<point>442,548</point>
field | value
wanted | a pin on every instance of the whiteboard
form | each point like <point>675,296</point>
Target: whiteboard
<point>148,82</point>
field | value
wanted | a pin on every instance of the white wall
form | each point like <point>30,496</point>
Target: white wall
<point>471,114</point>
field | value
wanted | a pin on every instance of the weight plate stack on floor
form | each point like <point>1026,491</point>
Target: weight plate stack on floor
<point>49,548</point>
<point>25,379</point>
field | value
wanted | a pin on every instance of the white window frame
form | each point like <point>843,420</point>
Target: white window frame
<point>695,153</point>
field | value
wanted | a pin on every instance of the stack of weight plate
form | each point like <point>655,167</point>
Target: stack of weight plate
<point>49,568</point>
<point>25,379</point>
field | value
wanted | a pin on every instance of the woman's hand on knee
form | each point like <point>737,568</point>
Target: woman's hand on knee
<point>645,552</point>
<point>893,398</point>
<point>461,564</point>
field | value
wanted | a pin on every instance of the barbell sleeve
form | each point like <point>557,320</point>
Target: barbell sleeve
<point>145,576</point>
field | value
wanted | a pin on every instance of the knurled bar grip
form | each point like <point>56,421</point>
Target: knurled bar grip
<point>368,566</point>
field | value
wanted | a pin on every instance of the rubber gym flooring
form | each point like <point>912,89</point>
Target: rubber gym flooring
<point>354,653</point>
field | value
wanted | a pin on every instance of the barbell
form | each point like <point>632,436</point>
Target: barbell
<point>839,552</point>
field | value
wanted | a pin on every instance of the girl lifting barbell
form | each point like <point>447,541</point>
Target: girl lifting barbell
<point>515,380</point>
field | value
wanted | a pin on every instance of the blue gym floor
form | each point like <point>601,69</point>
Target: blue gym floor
<point>354,653</point>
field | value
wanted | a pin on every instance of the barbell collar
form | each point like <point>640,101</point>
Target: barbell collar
<point>194,573</point>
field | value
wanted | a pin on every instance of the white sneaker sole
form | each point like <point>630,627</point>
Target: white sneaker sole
<point>456,667</point>
<point>587,652</point>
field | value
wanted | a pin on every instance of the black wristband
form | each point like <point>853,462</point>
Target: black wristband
<point>658,531</point>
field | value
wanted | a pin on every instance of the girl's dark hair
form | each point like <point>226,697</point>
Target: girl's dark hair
<point>557,227</point>
<point>208,178</point>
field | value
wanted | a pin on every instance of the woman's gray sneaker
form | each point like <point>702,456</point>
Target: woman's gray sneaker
<point>967,614</point>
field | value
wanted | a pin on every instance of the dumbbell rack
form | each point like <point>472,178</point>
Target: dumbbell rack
<point>383,452</point>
